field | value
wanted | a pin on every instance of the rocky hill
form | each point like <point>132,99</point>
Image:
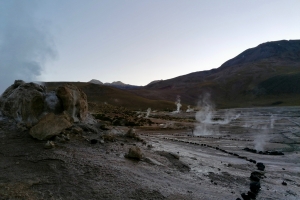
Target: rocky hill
<point>265,75</point>
<point>104,94</point>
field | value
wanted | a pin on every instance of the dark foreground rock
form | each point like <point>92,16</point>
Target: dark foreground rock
<point>50,125</point>
<point>260,166</point>
<point>24,102</point>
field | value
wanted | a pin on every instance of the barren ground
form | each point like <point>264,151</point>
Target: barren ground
<point>211,166</point>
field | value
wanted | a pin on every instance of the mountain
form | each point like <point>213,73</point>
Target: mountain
<point>152,82</point>
<point>116,83</point>
<point>103,94</point>
<point>266,75</point>
<point>95,81</point>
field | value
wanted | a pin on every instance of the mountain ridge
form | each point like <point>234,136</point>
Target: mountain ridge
<point>238,81</point>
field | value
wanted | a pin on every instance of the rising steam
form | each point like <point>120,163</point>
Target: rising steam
<point>148,112</point>
<point>178,104</point>
<point>206,116</point>
<point>25,44</point>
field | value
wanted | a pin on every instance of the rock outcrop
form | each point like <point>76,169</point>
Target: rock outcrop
<point>49,113</point>
<point>23,102</point>
<point>74,101</point>
<point>50,125</point>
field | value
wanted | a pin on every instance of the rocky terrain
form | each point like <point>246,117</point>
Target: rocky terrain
<point>95,141</point>
<point>206,154</point>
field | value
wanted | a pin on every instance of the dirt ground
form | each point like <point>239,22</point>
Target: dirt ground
<point>179,162</point>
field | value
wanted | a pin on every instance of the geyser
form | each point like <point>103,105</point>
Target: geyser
<point>148,112</point>
<point>178,104</point>
<point>206,116</point>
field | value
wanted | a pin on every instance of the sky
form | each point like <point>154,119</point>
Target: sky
<point>133,41</point>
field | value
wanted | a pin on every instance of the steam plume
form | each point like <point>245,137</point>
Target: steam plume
<point>148,112</point>
<point>205,116</point>
<point>178,104</point>
<point>25,44</point>
<point>260,140</point>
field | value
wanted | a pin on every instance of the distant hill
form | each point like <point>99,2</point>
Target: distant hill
<point>103,94</point>
<point>153,82</point>
<point>265,75</point>
<point>116,84</point>
<point>95,81</point>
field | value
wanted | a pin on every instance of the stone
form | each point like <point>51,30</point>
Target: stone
<point>131,133</point>
<point>77,130</point>
<point>256,176</point>
<point>24,102</point>
<point>260,166</point>
<point>111,137</point>
<point>284,183</point>
<point>49,145</point>
<point>134,153</point>
<point>251,195</point>
<point>74,101</point>
<point>94,141</point>
<point>245,196</point>
<point>254,187</point>
<point>50,125</point>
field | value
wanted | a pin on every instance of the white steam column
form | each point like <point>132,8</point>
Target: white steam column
<point>148,112</point>
<point>178,104</point>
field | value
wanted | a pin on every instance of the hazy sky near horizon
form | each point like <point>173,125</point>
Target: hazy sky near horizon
<point>133,41</point>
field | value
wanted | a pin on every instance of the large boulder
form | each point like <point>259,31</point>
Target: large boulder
<point>74,101</point>
<point>23,101</point>
<point>50,125</point>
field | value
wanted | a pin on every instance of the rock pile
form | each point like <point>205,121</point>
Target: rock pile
<point>47,114</point>
<point>274,153</point>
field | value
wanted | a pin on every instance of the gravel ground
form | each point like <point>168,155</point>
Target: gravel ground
<point>176,165</point>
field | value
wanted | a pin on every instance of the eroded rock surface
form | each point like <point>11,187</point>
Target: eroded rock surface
<point>50,125</point>
<point>23,102</point>
<point>74,101</point>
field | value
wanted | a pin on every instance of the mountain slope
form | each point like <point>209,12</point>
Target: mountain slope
<point>248,79</point>
<point>101,94</point>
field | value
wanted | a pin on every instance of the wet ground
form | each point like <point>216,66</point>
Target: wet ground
<point>208,162</point>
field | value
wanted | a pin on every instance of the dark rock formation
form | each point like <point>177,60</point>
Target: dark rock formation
<point>260,166</point>
<point>23,102</point>
<point>256,176</point>
<point>245,196</point>
<point>255,187</point>
<point>284,183</point>
<point>251,195</point>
